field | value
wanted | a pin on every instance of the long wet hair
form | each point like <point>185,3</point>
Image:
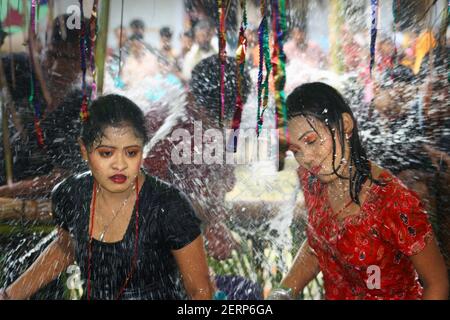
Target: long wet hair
<point>324,103</point>
<point>112,110</point>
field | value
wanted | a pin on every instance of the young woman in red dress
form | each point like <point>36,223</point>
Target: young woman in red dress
<point>367,233</point>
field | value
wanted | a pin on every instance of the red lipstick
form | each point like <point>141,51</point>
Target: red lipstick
<point>118,178</point>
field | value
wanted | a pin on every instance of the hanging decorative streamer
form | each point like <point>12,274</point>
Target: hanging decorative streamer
<point>279,74</point>
<point>93,38</point>
<point>32,99</point>
<point>373,32</point>
<point>264,63</point>
<point>240,68</point>
<point>222,56</point>
<point>84,104</point>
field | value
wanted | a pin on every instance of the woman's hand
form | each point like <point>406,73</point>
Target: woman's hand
<point>49,265</point>
<point>304,269</point>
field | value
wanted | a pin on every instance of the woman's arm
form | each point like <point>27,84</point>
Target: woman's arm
<point>431,268</point>
<point>191,260</point>
<point>304,269</point>
<point>54,260</point>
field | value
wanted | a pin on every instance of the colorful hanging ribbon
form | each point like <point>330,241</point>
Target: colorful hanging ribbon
<point>84,103</point>
<point>279,74</point>
<point>240,69</point>
<point>222,56</point>
<point>373,33</point>
<point>93,38</point>
<point>264,63</point>
<point>32,98</point>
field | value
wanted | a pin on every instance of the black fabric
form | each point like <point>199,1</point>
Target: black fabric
<point>166,222</point>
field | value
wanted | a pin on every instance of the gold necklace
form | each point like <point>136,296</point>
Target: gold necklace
<point>115,215</point>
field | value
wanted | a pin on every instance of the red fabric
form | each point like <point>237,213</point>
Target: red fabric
<point>391,227</point>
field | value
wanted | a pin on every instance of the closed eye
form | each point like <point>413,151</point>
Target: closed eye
<point>310,139</point>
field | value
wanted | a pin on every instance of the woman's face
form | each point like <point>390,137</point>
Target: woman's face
<point>115,160</point>
<point>312,145</point>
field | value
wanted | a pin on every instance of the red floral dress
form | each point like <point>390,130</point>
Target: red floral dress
<point>366,256</point>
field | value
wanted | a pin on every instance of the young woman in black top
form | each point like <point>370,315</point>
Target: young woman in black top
<point>131,235</point>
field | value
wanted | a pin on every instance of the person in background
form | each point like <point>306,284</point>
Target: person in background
<point>253,47</point>
<point>165,48</point>
<point>301,49</point>
<point>35,171</point>
<point>137,27</point>
<point>139,64</point>
<point>201,49</point>
<point>187,40</point>
<point>120,43</point>
<point>166,54</point>
<point>206,194</point>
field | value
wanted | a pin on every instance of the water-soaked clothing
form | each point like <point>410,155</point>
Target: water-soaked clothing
<point>166,222</point>
<point>391,227</point>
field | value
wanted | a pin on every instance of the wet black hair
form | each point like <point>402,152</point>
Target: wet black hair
<point>321,101</point>
<point>205,85</point>
<point>112,110</point>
